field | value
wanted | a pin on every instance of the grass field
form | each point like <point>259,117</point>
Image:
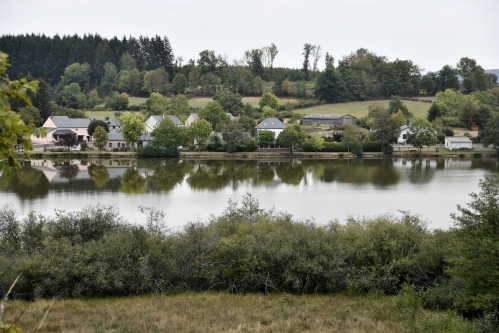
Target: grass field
<point>99,114</point>
<point>132,101</point>
<point>359,109</point>
<point>221,312</point>
<point>200,102</point>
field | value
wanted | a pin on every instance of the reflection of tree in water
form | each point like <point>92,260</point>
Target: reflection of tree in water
<point>132,182</point>
<point>99,175</point>
<point>354,171</point>
<point>386,174</point>
<point>265,174</point>
<point>421,172</point>
<point>27,182</point>
<point>69,171</point>
<point>219,174</point>
<point>290,173</point>
<point>168,173</point>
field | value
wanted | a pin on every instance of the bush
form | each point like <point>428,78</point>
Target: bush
<point>150,151</point>
<point>84,146</point>
<point>371,146</point>
<point>334,147</point>
<point>387,149</point>
<point>448,132</point>
<point>357,149</point>
<point>115,150</point>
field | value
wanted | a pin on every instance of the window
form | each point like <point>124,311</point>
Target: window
<point>404,136</point>
<point>110,145</point>
<point>119,144</point>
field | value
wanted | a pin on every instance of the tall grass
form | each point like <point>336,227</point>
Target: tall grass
<point>221,312</point>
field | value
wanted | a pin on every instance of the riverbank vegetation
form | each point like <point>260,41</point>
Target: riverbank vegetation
<point>95,252</point>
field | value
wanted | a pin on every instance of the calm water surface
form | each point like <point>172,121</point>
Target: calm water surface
<point>191,190</point>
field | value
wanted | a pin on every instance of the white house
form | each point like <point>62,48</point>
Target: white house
<point>458,142</point>
<point>192,118</point>
<point>271,124</point>
<point>404,131</point>
<point>154,121</point>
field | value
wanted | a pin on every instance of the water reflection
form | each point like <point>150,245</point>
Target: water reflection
<point>132,182</point>
<point>38,177</point>
<point>27,182</point>
<point>99,175</point>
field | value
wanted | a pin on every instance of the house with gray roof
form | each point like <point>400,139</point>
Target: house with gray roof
<point>273,125</point>
<point>155,120</point>
<point>116,140</point>
<point>61,125</point>
<point>328,119</point>
<point>458,142</point>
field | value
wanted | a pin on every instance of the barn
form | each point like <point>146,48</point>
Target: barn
<point>328,119</point>
<point>458,142</point>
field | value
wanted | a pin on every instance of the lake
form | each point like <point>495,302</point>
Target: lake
<point>191,190</point>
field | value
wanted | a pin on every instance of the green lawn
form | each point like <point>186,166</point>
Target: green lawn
<point>99,114</point>
<point>359,109</point>
<point>200,102</point>
<point>133,101</point>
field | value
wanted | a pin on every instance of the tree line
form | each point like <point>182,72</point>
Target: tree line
<point>95,251</point>
<point>140,66</point>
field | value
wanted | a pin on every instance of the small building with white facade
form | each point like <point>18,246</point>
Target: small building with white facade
<point>458,142</point>
<point>271,124</point>
<point>404,131</point>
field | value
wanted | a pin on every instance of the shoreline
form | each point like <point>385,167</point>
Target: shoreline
<point>266,155</point>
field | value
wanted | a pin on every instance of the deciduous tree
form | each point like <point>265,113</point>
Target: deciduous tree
<point>200,130</point>
<point>270,100</point>
<point>132,127</point>
<point>491,133</point>
<point>475,259</point>
<point>266,137</point>
<point>12,128</point>
<point>167,137</point>
<point>100,137</point>
<point>351,135</point>
<point>386,129</point>
<point>291,137</point>
<point>421,133</point>
<point>93,125</point>
<point>214,114</point>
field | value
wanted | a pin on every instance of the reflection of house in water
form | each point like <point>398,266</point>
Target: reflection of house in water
<point>58,172</point>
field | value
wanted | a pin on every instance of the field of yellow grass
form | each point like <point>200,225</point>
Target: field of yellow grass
<point>221,312</point>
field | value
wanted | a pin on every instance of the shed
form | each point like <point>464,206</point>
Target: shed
<point>458,142</point>
<point>328,119</point>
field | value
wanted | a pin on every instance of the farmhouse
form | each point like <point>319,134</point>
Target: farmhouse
<point>458,142</point>
<point>328,119</point>
<point>271,124</point>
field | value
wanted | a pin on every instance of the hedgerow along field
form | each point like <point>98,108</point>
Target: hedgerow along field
<point>223,312</point>
<point>359,109</point>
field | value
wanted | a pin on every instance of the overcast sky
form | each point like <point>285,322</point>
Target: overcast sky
<point>432,33</point>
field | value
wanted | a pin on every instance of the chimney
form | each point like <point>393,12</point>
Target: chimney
<point>107,118</point>
<point>408,122</point>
